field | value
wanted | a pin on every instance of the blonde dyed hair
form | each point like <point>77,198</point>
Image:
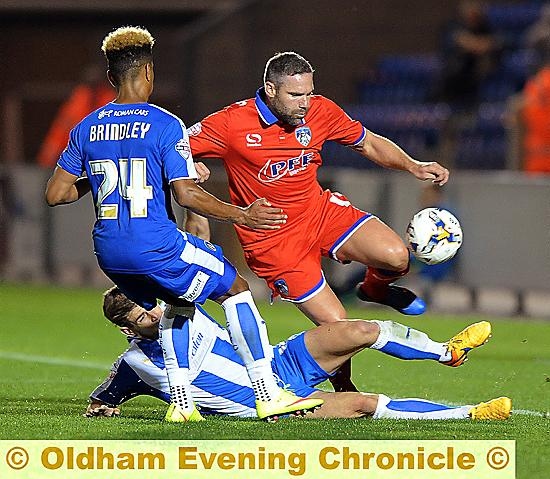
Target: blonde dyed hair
<point>127,37</point>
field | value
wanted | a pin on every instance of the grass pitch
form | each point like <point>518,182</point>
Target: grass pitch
<point>55,347</point>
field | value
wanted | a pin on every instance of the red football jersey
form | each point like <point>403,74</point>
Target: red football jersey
<point>265,158</point>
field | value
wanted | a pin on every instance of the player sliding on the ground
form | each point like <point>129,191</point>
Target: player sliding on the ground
<point>221,386</point>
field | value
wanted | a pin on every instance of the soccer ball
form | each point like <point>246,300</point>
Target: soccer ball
<point>434,235</point>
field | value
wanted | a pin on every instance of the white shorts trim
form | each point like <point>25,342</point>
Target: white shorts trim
<point>348,235</point>
<point>313,293</point>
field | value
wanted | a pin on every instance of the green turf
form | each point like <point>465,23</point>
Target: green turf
<point>43,397</point>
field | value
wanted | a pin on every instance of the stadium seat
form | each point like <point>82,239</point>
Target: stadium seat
<point>483,144</point>
<point>395,98</point>
<point>417,128</point>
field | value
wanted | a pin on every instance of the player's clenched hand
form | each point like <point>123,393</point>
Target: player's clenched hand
<point>261,215</point>
<point>431,170</point>
<point>202,171</point>
<point>102,410</point>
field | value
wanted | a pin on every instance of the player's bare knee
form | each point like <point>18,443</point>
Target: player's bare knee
<point>370,404</point>
<point>365,404</point>
<point>397,258</point>
<point>365,332</point>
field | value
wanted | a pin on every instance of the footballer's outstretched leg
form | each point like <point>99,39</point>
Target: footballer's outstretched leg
<point>407,343</point>
<point>404,342</point>
<point>495,409</point>
<point>335,343</point>
<point>386,257</point>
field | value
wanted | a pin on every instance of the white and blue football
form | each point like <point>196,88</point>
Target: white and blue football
<point>434,235</point>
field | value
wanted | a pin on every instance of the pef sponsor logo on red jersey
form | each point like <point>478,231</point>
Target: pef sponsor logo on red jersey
<point>273,170</point>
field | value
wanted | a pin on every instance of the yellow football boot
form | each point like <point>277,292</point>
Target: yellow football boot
<point>499,408</point>
<point>286,403</point>
<point>469,338</point>
<point>175,414</point>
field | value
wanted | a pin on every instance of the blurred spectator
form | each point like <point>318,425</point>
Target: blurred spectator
<point>470,52</point>
<point>93,92</point>
<point>537,37</point>
<point>528,120</point>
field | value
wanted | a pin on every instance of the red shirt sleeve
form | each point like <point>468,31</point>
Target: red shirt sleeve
<point>209,137</point>
<point>342,128</point>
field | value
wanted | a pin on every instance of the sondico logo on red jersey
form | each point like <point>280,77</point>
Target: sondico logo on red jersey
<point>253,139</point>
<point>272,171</point>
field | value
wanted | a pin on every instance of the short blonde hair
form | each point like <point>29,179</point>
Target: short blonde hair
<point>127,37</point>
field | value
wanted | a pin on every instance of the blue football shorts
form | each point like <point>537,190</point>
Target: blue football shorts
<point>201,272</point>
<point>295,366</point>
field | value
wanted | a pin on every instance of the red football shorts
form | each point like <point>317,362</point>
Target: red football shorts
<point>291,264</point>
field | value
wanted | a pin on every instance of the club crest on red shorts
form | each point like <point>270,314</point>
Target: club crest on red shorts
<point>281,286</point>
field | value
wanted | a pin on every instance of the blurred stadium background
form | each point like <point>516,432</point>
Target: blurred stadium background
<point>380,59</point>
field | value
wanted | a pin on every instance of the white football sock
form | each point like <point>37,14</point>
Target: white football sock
<point>403,342</point>
<point>248,335</point>
<point>174,337</point>
<point>412,408</point>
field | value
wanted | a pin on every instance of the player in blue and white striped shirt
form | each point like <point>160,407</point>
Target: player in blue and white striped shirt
<point>133,155</point>
<point>220,384</point>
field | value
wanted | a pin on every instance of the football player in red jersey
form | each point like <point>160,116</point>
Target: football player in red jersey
<point>271,146</point>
